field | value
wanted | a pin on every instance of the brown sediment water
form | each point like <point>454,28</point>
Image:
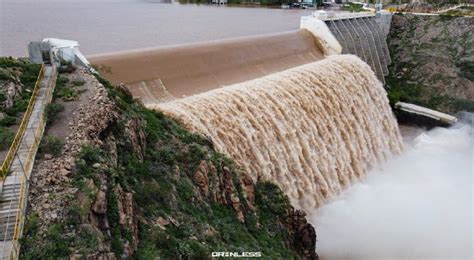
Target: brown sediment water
<point>312,129</point>
<point>162,74</point>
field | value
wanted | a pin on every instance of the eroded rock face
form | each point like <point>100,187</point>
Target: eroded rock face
<point>303,234</point>
<point>222,189</point>
<point>12,91</point>
<point>201,178</point>
<point>136,135</point>
<point>127,219</point>
<point>11,87</point>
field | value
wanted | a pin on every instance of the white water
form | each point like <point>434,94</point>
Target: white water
<point>420,206</point>
<point>313,129</point>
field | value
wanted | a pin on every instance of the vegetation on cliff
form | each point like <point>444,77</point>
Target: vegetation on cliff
<point>17,80</point>
<point>142,186</point>
<point>432,61</point>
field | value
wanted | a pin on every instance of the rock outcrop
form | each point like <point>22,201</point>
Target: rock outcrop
<point>304,235</point>
<point>131,182</point>
<point>432,61</point>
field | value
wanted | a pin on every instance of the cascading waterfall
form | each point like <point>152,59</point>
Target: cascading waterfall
<point>313,129</point>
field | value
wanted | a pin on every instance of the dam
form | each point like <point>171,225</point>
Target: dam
<point>279,142</point>
<point>159,74</point>
<point>294,108</point>
<point>165,73</point>
<point>362,34</point>
<point>288,107</point>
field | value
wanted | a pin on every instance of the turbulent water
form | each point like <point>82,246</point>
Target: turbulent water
<point>419,206</point>
<point>313,129</point>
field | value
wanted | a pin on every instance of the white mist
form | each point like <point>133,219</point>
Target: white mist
<point>419,206</point>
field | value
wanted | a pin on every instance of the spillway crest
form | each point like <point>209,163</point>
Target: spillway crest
<point>312,130</point>
<point>165,73</point>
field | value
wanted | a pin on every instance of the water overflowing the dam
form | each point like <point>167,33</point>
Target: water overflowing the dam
<point>313,129</point>
<point>277,104</point>
<point>161,74</point>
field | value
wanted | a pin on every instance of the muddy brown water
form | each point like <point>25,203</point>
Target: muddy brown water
<point>159,74</point>
<point>102,26</point>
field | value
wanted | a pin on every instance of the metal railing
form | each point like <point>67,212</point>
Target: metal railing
<point>7,162</point>
<point>34,121</point>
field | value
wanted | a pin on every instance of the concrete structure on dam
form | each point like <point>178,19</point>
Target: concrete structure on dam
<point>361,34</point>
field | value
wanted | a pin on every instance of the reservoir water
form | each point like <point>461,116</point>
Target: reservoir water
<point>113,25</point>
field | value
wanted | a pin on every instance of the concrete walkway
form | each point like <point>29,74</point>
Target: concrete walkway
<point>14,190</point>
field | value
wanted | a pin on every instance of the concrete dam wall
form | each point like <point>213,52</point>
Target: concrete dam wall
<point>364,36</point>
<point>287,108</point>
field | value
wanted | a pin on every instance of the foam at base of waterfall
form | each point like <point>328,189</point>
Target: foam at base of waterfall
<point>312,130</point>
<point>419,206</point>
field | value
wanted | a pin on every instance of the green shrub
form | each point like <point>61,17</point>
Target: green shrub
<point>8,62</point>
<point>66,94</point>
<point>29,71</point>
<point>466,70</point>
<point>74,214</point>
<point>57,246</point>
<point>446,16</point>
<point>78,82</point>
<point>6,75</point>
<point>87,157</point>
<point>52,145</point>
<point>352,7</point>
<point>6,137</point>
<point>3,96</point>
<point>31,223</point>
<point>19,106</point>
<point>62,80</point>
<point>270,199</point>
<point>66,67</point>
<point>51,111</point>
<point>114,218</point>
<point>65,91</point>
<point>8,120</point>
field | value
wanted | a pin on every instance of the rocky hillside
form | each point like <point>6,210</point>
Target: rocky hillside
<point>131,183</point>
<point>432,61</point>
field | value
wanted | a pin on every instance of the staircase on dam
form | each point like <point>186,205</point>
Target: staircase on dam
<point>18,165</point>
<point>363,35</point>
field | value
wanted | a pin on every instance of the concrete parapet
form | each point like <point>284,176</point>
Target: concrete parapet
<point>327,16</point>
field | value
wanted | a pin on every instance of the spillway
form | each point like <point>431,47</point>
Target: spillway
<point>162,74</point>
<point>313,129</point>
<point>364,36</point>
